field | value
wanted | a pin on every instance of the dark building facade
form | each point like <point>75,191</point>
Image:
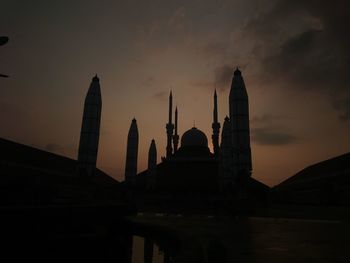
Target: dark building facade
<point>323,183</point>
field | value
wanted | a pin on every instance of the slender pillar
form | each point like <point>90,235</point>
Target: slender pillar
<point>90,129</point>
<point>239,118</point>
<point>176,136</point>
<point>131,153</point>
<point>170,128</point>
<point>152,165</point>
<point>216,127</point>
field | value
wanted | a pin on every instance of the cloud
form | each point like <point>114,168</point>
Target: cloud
<point>270,129</point>
<point>212,49</point>
<point>202,84</point>
<point>343,106</point>
<point>304,44</point>
<point>177,20</point>
<point>223,77</point>
<point>269,136</point>
<point>268,119</point>
<point>149,81</point>
<point>161,95</point>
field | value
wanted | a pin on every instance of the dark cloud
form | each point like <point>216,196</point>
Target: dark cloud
<point>269,119</point>
<point>213,49</point>
<point>161,95</point>
<point>223,77</point>
<point>53,147</point>
<point>304,44</point>
<point>270,129</point>
<point>206,84</point>
<point>178,21</point>
<point>149,82</point>
<point>269,136</point>
<point>343,106</point>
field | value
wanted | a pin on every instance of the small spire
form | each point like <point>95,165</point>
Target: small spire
<point>95,78</point>
<point>237,72</point>
<point>215,92</point>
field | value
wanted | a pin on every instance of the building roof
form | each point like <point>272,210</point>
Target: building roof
<point>194,137</point>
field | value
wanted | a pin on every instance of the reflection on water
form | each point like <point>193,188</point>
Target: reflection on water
<point>227,240</point>
<point>145,251</point>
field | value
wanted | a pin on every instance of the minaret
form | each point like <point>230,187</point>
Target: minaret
<point>239,118</point>
<point>176,136</point>
<point>216,127</point>
<point>226,161</point>
<point>131,153</point>
<point>152,165</point>
<point>90,129</point>
<point>170,128</point>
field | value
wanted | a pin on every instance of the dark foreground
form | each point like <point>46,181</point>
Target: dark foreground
<point>104,234</point>
<point>254,239</point>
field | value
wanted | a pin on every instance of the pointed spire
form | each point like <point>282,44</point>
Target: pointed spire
<point>131,153</point>
<point>152,165</point>
<point>176,120</point>
<point>170,107</point>
<point>90,129</point>
<point>95,78</point>
<point>215,112</point>
<point>237,72</point>
<point>215,126</point>
<point>239,119</point>
<point>170,127</point>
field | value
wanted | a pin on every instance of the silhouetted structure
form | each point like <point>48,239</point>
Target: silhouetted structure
<point>30,176</point>
<point>323,183</point>
<point>131,153</point>
<point>192,176</point>
<point>216,127</point>
<point>170,128</point>
<point>225,171</point>
<point>152,165</point>
<point>239,119</point>
<point>3,41</point>
<point>90,129</point>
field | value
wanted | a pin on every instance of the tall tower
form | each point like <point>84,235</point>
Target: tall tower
<point>176,136</point>
<point>131,153</point>
<point>239,119</point>
<point>90,129</point>
<point>225,172</point>
<point>216,127</point>
<point>152,165</point>
<point>170,128</point>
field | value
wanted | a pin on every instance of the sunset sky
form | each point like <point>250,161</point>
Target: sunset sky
<point>294,56</point>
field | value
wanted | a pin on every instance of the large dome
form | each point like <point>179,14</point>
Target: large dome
<point>194,137</point>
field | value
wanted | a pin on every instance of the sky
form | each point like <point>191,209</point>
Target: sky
<point>294,56</point>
